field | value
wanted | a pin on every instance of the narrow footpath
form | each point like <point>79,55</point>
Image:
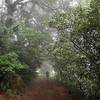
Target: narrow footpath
<point>44,89</point>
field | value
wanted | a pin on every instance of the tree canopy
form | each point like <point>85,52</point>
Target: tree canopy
<point>64,32</point>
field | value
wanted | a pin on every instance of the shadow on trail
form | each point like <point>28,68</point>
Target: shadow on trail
<point>45,89</point>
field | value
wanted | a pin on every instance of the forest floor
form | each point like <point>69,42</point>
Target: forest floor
<point>44,89</point>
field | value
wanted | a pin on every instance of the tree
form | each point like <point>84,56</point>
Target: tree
<point>79,30</point>
<point>29,47</point>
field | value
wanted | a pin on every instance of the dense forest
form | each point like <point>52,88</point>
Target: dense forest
<point>63,33</point>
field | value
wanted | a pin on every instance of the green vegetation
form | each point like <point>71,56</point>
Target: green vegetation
<point>10,80</point>
<point>22,50</point>
<point>76,51</point>
<point>26,41</point>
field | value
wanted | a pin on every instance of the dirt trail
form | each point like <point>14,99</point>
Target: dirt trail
<point>44,89</point>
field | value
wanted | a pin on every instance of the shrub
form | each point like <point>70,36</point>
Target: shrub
<point>10,81</point>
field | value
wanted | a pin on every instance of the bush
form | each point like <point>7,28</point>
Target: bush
<point>27,75</point>
<point>10,81</point>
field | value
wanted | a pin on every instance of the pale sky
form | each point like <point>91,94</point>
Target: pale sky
<point>73,3</point>
<point>1,1</point>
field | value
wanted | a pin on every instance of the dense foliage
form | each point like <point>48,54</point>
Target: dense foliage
<point>71,42</point>
<point>10,80</point>
<point>76,52</point>
<point>22,50</point>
